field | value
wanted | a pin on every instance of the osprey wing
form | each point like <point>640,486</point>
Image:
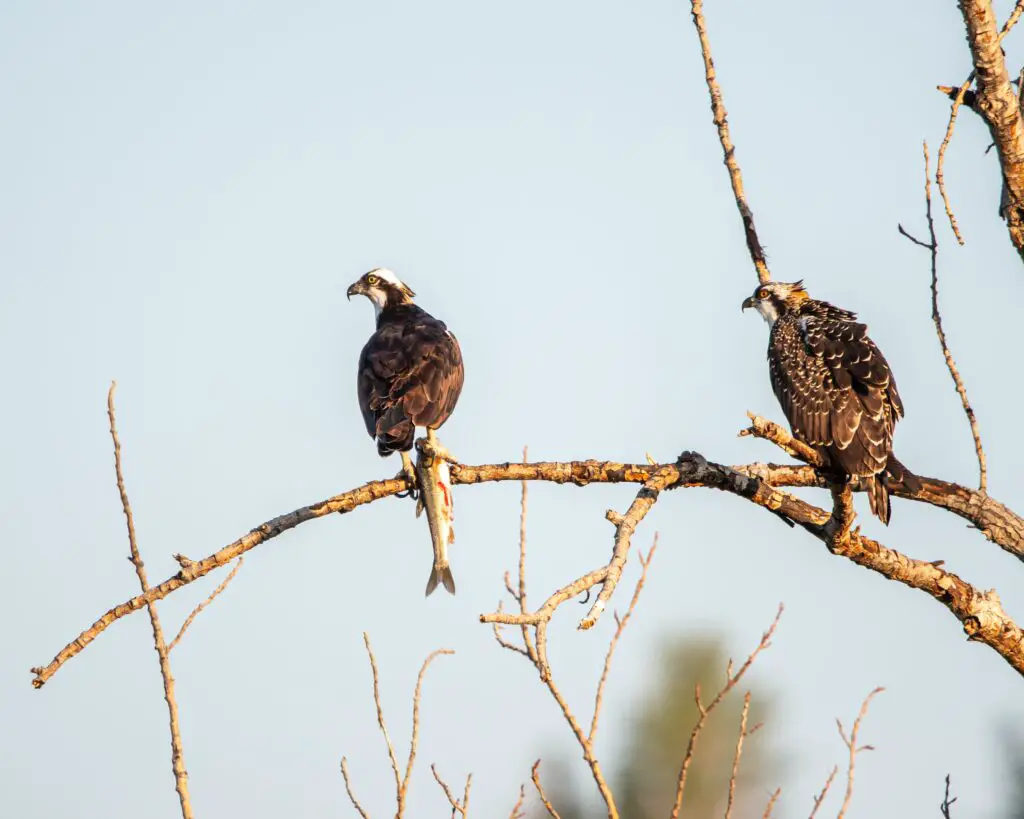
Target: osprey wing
<point>434,381</point>
<point>862,393</point>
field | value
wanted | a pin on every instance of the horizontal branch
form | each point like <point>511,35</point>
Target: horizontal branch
<point>993,519</point>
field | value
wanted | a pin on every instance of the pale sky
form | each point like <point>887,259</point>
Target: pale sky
<point>187,192</point>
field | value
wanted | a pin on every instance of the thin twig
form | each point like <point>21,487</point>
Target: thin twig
<point>348,789</point>
<point>535,776</point>
<point>939,175</point>
<point>824,792</point>
<point>728,149</point>
<point>517,808</point>
<point>527,642</point>
<point>1012,19</point>
<point>645,562</point>
<point>947,803</point>
<point>933,247</point>
<point>851,744</point>
<point>414,741</point>
<point>382,725</point>
<point>162,650</point>
<point>457,807</point>
<point>771,804</point>
<point>205,603</point>
<point>736,758</point>
<point>705,711</point>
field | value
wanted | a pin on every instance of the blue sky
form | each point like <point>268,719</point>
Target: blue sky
<point>188,191</point>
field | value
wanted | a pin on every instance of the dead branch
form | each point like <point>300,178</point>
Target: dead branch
<point>771,804</point>
<point>620,626</point>
<point>457,806</point>
<point>853,748</point>
<point>205,603</point>
<point>162,650</point>
<point>535,776</point>
<point>958,99</point>
<point>997,104</point>
<point>401,780</point>
<point>997,522</point>
<point>517,808</point>
<point>933,247</point>
<point>947,803</point>
<point>705,711</point>
<point>824,791</point>
<point>348,789</point>
<point>736,758</point>
<point>728,149</point>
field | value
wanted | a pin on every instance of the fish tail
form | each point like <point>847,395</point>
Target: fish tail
<point>442,575</point>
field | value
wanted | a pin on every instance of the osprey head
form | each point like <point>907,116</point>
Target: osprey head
<point>772,299</point>
<point>383,288</point>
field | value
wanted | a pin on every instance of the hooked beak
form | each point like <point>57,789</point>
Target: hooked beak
<point>747,302</point>
<point>355,290</point>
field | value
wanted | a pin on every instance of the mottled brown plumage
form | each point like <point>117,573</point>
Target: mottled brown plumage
<point>834,385</point>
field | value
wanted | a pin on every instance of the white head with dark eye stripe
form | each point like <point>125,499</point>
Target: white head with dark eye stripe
<point>772,299</point>
<point>383,288</point>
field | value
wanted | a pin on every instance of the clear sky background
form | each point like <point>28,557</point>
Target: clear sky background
<point>188,190</point>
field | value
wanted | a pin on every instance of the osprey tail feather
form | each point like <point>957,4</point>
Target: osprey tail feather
<point>878,487</point>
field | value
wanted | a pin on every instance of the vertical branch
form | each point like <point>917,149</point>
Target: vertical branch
<point>348,789</point>
<point>620,626</point>
<point>940,178</point>
<point>736,758</point>
<point>933,247</point>
<point>400,796</point>
<point>947,803</point>
<point>522,560</point>
<point>771,804</point>
<point>162,651</point>
<point>851,744</point>
<point>722,123</point>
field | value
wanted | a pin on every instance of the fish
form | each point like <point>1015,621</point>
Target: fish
<point>435,481</point>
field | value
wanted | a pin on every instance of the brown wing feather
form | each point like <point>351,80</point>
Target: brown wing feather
<point>410,374</point>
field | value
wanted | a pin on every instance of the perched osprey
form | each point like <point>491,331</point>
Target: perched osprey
<point>835,387</point>
<point>410,375</point>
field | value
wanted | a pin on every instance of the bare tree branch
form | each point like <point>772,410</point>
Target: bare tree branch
<point>853,748</point>
<point>705,711</point>
<point>348,789</point>
<point>728,149</point>
<point>535,776</point>
<point>974,609</point>
<point>997,103</point>
<point>620,626</point>
<point>824,792</point>
<point>933,247</point>
<point>205,603</point>
<point>771,804</point>
<point>401,780</point>
<point>736,758</point>
<point>947,803</point>
<point>517,808</point>
<point>162,650</point>
<point>456,805</point>
<point>940,178</point>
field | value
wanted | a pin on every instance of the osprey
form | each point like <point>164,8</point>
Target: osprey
<point>410,375</point>
<point>835,387</point>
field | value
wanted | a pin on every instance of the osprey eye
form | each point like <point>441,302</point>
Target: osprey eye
<point>762,294</point>
<point>371,280</point>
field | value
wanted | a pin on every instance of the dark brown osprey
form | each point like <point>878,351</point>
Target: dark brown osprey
<point>835,387</point>
<point>410,375</point>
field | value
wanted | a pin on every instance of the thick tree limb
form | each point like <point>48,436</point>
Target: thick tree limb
<point>997,522</point>
<point>998,105</point>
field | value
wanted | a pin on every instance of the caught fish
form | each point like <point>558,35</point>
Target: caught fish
<point>436,497</point>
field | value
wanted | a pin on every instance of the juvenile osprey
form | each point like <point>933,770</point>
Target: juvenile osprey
<point>835,387</point>
<point>410,375</point>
